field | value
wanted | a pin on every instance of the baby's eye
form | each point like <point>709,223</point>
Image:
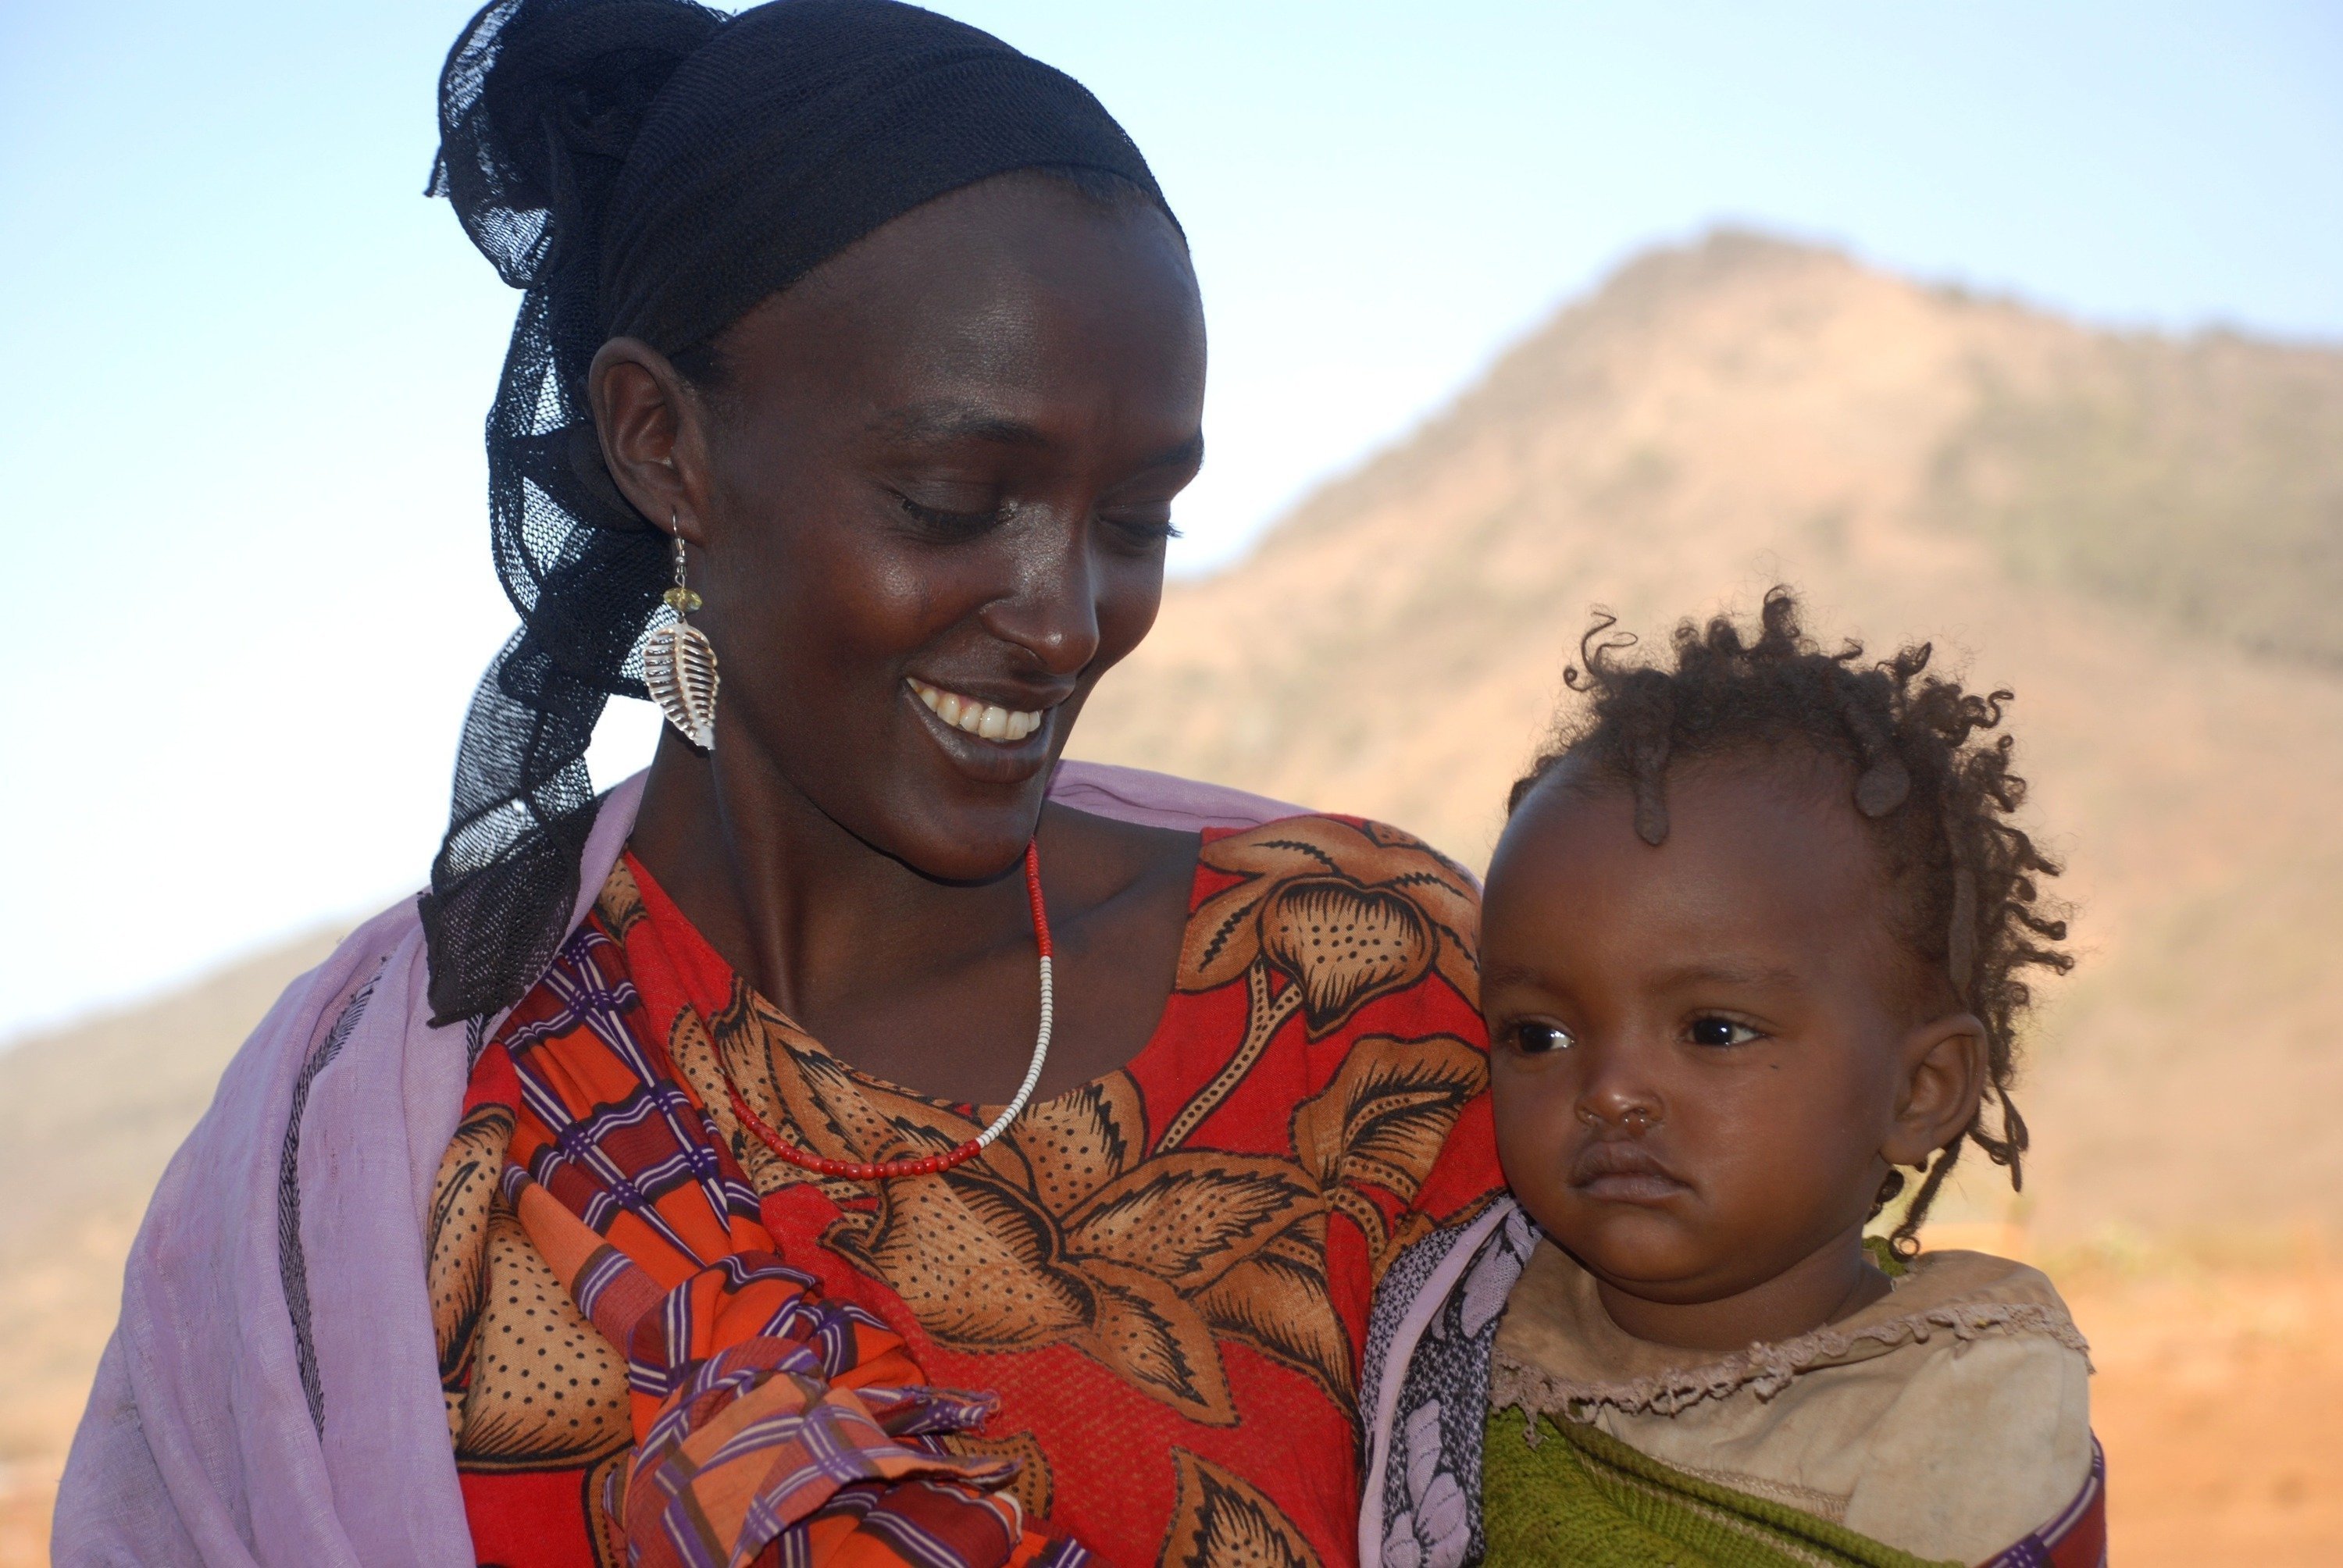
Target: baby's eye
<point>1537,1038</point>
<point>1721,1032</point>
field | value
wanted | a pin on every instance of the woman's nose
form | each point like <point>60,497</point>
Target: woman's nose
<point>1052,612</point>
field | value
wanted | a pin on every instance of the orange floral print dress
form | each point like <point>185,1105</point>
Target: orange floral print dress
<point>1162,1278</point>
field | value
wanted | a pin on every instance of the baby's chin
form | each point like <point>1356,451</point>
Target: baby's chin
<point>1653,1255</point>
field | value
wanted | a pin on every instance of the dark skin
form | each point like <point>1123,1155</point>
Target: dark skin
<point>947,455</point>
<point>1705,1057</point>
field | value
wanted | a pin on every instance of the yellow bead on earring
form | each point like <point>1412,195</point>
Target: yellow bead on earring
<point>679,666</point>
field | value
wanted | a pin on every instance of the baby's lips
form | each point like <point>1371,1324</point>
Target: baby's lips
<point>1627,1166</point>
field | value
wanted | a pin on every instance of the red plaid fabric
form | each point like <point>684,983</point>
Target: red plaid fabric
<point>769,1425</point>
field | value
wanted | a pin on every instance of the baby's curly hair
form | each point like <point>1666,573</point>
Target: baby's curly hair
<point>1937,792</point>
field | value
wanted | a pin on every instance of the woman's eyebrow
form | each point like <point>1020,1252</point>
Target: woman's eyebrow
<point>936,423</point>
<point>941,422</point>
<point>1188,453</point>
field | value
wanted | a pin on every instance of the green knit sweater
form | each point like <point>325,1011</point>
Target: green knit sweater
<point>1580,1497</point>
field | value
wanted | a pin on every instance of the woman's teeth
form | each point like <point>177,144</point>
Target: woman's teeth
<point>985,720</point>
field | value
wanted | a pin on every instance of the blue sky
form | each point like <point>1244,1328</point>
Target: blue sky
<point>249,592</point>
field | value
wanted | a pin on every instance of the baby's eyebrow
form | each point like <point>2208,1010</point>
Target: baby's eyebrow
<point>1511,974</point>
<point>1728,971</point>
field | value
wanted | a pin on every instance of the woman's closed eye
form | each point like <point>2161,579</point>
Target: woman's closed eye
<point>1141,530</point>
<point>1715,1030</point>
<point>1539,1039</point>
<point>1138,530</point>
<point>940,523</point>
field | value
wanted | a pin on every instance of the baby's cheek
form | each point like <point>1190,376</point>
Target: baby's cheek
<point>1534,1126</point>
<point>1773,1171</point>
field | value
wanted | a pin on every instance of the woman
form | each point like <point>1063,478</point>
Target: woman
<point>663,1188</point>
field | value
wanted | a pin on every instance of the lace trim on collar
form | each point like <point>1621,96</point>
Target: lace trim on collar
<point>1766,1369</point>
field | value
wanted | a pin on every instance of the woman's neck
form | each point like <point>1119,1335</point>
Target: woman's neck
<point>925,983</point>
<point>813,915</point>
<point>1835,1280</point>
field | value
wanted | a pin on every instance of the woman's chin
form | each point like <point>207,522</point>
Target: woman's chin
<point>950,827</point>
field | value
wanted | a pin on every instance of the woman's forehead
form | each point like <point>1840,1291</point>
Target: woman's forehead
<point>966,314</point>
<point>1009,234</point>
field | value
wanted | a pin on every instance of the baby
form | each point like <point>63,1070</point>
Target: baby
<point>1752,945</point>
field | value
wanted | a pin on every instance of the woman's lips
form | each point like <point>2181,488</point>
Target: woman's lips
<point>973,716</point>
<point>1020,748</point>
<point>1618,1172</point>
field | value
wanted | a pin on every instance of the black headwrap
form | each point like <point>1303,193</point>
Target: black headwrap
<point>654,168</point>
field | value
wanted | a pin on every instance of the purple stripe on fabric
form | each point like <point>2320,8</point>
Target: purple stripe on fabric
<point>599,999</point>
<point>912,1541</point>
<point>2059,1528</point>
<point>2036,1551</point>
<point>615,1294</point>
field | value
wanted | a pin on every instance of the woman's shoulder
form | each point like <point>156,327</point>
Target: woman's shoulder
<point>1359,851</point>
<point>1341,834</point>
<point>1320,890</point>
<point>1344,907</point>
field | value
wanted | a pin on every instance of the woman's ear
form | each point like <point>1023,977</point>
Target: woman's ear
<point>1943,1079</point>
<point>653,429</point>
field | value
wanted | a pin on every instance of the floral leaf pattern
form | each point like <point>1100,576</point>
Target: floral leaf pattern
<point>1344,911</point>
<point>1223,1522</point>
<point>1278,1302</point>
<point>1147,1331</point>
<point>1034,1491</point>
<point>1181,1248</point>
<point>545,1389</point>
<point>455,1244</point>
<point>1069,1231</point>
<point>1342,944</point>
<point>1189,1217</point>
<point>1388,1111</point>
<point>1225,932</point>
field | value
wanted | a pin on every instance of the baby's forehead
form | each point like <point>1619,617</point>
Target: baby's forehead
<point>1787,791</point>
<point>1760,855</point>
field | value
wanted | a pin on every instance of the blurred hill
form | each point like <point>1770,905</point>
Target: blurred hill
<point>2142,535</point>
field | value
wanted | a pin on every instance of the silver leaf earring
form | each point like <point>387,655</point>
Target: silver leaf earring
<point>679,666</point>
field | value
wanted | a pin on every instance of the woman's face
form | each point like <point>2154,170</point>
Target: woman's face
<point>937,484</point>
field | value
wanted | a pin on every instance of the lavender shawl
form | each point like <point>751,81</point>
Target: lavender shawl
<point>271,1394</point>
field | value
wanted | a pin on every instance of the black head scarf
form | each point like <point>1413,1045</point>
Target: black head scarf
<point>654,168</point>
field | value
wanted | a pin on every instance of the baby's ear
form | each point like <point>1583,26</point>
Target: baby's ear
<point>1941,1083</point>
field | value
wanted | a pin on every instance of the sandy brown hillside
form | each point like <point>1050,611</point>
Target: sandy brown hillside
<point>1747,411</point>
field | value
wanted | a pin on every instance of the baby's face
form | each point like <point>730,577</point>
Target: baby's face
<point>1695,1049</point>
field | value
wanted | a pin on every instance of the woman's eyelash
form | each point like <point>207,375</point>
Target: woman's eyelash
<point>1151,531</point>
<point>966,523</point>
<point>952,522</point>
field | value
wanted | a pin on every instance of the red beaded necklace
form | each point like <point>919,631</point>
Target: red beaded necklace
<point>929,1164</point>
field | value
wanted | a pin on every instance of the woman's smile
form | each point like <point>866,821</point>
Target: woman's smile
<point>974,716</point>
<point>989,741</point>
